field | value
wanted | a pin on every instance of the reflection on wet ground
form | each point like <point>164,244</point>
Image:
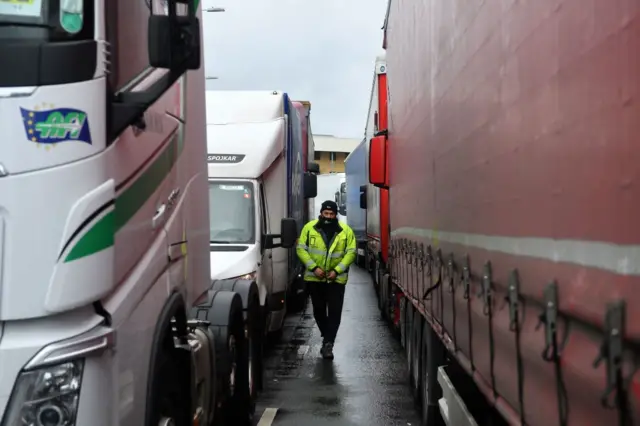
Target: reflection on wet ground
<point>366,383</point>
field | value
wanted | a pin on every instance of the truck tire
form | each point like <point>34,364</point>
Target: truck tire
<point>433,354</point>
<point>416,366</point>
<point>384,296</point>
<point>169,386</point>
<point>408,339</point>
<point>375,274</point>
<point>403,322</point>
<point>424,376</point>
<point>224,311</point>
<point>254,327</point>
<point>378,290</point>
<point>297,297</point>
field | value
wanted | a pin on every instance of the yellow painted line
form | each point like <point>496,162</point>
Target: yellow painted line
<point>268,417</point>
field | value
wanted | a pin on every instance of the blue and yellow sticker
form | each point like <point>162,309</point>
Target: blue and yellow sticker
<point>56,125</point>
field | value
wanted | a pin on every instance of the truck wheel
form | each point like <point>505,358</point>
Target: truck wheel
<point>374,274</point>
<point>403,322</point>
<point>424,376</point>
<point>297,298</point>
<point>384,296</point>
<point>254,327</point>
<point>433,356</point>
<point>169,384</point>
<point>408,339</point>
<point>225,313</point>
<point>417,366</point>
<point>378,290</point>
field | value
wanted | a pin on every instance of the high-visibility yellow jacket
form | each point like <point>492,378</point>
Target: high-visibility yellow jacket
<point>336,255</point>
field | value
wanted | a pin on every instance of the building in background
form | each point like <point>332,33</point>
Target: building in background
<point>330,152</point>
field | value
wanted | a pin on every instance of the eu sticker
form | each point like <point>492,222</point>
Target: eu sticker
<point>52,126</point>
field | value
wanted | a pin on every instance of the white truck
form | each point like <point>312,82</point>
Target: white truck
<point>258,186</point>
<point>107,317</point>
<point>341,195</point>
<point>329,185</point>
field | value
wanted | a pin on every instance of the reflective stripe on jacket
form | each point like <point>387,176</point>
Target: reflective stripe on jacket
<point>313,253</point>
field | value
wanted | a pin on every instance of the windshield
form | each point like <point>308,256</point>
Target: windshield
<point>232,212</point>
<point>13,10</point>
<point>60,20</point>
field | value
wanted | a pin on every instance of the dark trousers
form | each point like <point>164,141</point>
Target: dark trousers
<point>327,300</point>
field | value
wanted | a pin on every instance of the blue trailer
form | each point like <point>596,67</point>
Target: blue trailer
<point>357,179</point>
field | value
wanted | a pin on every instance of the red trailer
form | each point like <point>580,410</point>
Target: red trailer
<point>513,167</point>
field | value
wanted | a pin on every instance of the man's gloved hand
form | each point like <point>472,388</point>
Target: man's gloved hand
<point>319,272</point>
<point>332,276</point>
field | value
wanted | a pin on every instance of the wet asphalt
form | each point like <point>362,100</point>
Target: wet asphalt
<point>366,383</point>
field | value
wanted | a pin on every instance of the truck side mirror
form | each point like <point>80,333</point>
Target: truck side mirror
<point>342,209</point>
<point>314,167</point>
<point>288,232</point>
<point>173,40</point>
<point>378,175</point>
<point>310,185</point>
<point>173,43</point>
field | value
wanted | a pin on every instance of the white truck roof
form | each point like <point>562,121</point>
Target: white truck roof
<point>245,132</point>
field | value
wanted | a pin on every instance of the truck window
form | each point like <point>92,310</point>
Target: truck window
<point>232,212</point>
<point>127,23</point>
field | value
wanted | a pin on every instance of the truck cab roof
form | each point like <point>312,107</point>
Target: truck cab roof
<point>245,132</point>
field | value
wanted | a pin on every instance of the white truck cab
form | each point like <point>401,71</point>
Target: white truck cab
<point>258,183</point>
<point>108,315</point>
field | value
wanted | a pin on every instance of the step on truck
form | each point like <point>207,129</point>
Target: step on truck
<point>511,163</point>
<point>107,315</point>
<point>256,177</point>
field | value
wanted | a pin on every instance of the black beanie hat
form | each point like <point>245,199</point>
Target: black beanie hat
<point>329,205</point>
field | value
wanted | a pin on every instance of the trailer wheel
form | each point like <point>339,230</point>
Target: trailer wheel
<point>297,297</point>
<point>403,322</point>
<point>254,328</point>
<point>384,295</point>
<point>378,290</point>
<point>433,353</point>
<point>424,375</point>
<point>417,366</point>
<point>376,273</point>
<point>223,309</point>
<point>408,340</point>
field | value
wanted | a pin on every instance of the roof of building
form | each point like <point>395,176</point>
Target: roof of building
<point>328,143</point>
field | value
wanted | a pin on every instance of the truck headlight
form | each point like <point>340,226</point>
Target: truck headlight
<point>46,396</point>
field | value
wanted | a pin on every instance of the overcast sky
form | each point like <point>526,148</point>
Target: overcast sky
<point>322,51</point>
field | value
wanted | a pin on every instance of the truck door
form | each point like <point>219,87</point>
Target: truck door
<point>265,271</point>
<point>174,204</point>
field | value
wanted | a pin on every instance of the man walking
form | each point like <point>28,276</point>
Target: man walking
<point>327,248</point>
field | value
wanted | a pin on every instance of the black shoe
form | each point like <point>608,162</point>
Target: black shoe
<point>327,351</point>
